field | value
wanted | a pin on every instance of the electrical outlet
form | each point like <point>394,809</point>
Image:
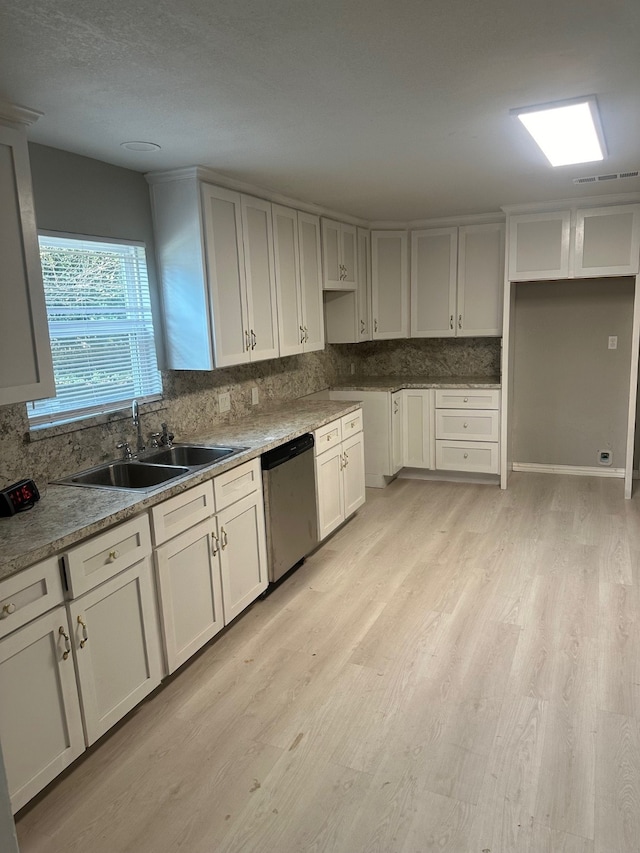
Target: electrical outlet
<point>604,457</point>
<point>613,342</point>
<point>224,402</point>
<point>255,396</point>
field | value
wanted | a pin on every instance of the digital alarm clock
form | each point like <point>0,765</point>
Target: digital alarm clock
<point>20,496</point>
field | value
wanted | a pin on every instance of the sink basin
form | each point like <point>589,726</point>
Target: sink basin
<point>125,475</point>
<point>191,455</point>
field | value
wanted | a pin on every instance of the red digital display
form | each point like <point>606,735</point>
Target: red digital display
<point>17,497</point>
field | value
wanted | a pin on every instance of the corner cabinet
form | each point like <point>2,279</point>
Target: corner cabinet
<point>579,243</point>
<point>26,371</point>
<point>348,313</point>
<point>217,273</point>
<point>457,279</point>
<point>339,255</point>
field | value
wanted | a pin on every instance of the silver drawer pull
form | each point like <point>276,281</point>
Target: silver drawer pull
<point>466,400</point>
<point>113,555</point>
<point>215,544</point>
<point>7,610</point>
<point>466,455</point>
<point>465,425</point>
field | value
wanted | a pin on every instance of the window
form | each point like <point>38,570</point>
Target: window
<point>101,329</point>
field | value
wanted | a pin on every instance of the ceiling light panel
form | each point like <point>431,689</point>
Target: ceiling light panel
<point>567,132</point>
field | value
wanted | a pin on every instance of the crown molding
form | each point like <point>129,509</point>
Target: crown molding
<point>440,222</point>
<point>572,203</point>
<point>17,114</point>
<point>202,173</point>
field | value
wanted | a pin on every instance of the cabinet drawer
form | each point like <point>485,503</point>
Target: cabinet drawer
<point>29,594</point>
<point>453,398</point>
<point>328,436</point>
<point>351,424</point>
<point>467,426</point>
<point>107,554</point>
<point>236,483</point>
<point>478,456</point>
<point>182,512</point>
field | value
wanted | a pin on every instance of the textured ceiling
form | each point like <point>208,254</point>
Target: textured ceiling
<point>383,109</point>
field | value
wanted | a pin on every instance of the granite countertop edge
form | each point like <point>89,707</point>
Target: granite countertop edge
<point>397,383</point>
<point>67,515</point>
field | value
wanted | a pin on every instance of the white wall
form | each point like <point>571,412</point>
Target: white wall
<point>571,392</point>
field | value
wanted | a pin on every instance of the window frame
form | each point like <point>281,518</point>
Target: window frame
<point>96,413</point>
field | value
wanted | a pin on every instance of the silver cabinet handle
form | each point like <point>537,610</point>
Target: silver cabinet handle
<point>301,334</point>
<point>459,321</point>
<point>451,321</point>
<point>396,407</point>
<point>67,643</point>
<point>346,459</point>
<point>254,340</point>
<point>306,335</point>
<point>215,545</point>
<point>375,325</point>
<point>247,341</point>
<point>224,541</point>
<point>362,327</point>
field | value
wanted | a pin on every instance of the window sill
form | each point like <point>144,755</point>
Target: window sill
<point>43,432</point>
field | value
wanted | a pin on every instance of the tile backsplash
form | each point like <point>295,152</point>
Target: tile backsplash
<point>190,404</point>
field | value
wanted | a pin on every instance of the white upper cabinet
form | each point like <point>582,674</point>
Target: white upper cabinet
<point>607,241</point>
<point>296,237</point>
<point>539,245</point>
<point>348,313</point>
<point>480,279</point>
<point>582,243</point>
<point>339,255</point>
<point>389,284</point>
<point>217,273</point>
<point>25,352</point>
<point>457,278</point>
<point>434,259</point>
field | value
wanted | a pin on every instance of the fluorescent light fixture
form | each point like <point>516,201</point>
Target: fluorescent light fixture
<point>567,131</point>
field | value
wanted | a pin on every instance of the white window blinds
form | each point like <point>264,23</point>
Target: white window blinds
<point>101,328</point>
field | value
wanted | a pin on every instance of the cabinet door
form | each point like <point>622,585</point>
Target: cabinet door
<point>353,473</point>
<point>287,267</point>
<point>243,554</point>
<point>329,491</point>
<point>349,255</point>
<point>539,245</point>
<point>311,281</point>
<point>397,452</point>
<point>433,283</point>
<point>480,280</point>
<point>257,237</point>
<point>222,223</point>
<point>331,255</point>
<point>389,284</point>
<point>40,724</point>
<point>607,241</point>
<point>417,416</point>
<point>117,648</point>
<point>189,590</point>
<point>26,370</point>
<point>364,285</point>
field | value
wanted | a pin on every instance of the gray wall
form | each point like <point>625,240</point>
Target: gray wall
<point>570,391</point>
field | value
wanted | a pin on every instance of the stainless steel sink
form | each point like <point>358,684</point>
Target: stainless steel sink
<point>191,455</point>
<point>125,475</point>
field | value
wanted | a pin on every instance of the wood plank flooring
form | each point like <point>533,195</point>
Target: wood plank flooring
<point>458,669</point>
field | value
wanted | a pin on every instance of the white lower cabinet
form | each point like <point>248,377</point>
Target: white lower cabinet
<point>243,554</point>
<point>397,444</point>
<point>40,723</point>
<point>116,645</point>
<point>189,591</point>
<point>213,567</point>
<point>340,477</point>
<point>417,434</point>
<point>468,430</point>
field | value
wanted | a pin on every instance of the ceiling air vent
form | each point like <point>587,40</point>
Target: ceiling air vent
<point>614,176</point>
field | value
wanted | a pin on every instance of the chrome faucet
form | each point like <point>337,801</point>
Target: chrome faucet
<point>166,437</point>
<point>136,422</point>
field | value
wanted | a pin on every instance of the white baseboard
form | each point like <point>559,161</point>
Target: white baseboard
<point>576,470</point>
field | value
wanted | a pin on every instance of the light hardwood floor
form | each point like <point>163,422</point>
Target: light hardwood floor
<point>458,669</point>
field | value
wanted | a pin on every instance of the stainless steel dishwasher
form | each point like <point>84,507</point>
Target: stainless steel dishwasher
<point>288,480</point>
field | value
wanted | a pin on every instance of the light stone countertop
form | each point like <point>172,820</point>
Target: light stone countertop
<point>395,383</point>
<point>67,514</point>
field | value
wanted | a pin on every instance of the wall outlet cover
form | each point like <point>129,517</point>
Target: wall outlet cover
<point>255,396</point>
<point>224,402</point>
<point>605,457</point>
